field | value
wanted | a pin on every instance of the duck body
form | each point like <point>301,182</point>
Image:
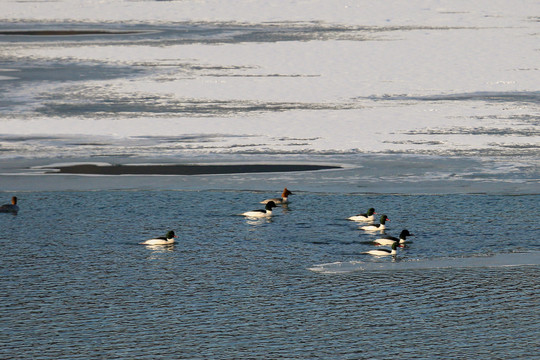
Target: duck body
<point>162,240</point>
<point>369,216</point>
<point>389,240</point>
<point>375,227</point>
<point>284,199</point>
<point>383,252</point>
<point>261,213</point>
<point>10,208</point>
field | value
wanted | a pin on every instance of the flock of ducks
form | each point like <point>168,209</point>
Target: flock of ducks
<point>385,240</point>
<point>260,213</point>
<point>367,218</point>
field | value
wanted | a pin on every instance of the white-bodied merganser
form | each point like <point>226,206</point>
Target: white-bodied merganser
<point>10,208</point>
<point>369,216</point>
<point>389,240</point>
<point>383,252</point>
<point>284,199</point>
<point>162,240</point>
<point>261,213</point>
<point>375,227</point>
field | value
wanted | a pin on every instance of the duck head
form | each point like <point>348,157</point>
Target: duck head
<point>394,249</point>
<point>170,235</point>
<point>286,192</point>
<point>384,219</point>
<point>404,233</point>
<point>270,205</point>
<point>371,211</point>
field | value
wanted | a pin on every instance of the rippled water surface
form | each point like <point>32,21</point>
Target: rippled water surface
<point>76,283</point>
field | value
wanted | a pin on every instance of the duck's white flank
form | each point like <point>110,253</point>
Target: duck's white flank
<point>162,240</point>
<point>389,240</point>
<point>383,252</point>
<point>369,216</point>
<point>375,227</point>
<point>267,211</point>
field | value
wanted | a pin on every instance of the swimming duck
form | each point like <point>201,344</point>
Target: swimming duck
<point>162,240</point>
<point>261,213</point>
<point>383,252</point>
<point>374,227</point>
<point>369,216</point>
<point>10,208</point>
<point>284,199</point>
<point>389,240</point>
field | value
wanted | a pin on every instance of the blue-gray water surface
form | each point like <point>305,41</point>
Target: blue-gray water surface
<point>77,284</point>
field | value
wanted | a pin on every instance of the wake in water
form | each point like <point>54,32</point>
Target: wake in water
<point>497,260</point>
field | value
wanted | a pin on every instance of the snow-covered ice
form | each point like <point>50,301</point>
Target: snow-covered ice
<point>334,81</point>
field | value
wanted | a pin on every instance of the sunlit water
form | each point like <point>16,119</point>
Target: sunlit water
<point>76,283</point>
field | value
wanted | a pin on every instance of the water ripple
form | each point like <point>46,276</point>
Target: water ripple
<point>80,286</point>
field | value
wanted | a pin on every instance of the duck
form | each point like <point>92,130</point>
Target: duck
<point>390,240</point>
<point>284,199</point>
<point>369,216</point>
<point>261,213</point>
<point>375,227</point>
<point>162,240</point>
<point>384,252</point>
<point>10,208</point>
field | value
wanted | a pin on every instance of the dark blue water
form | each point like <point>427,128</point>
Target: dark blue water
<point>76,284</point>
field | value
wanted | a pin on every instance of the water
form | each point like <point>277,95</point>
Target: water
<point>76,284</point>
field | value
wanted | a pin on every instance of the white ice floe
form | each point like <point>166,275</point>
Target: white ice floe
<point>277,78</point>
